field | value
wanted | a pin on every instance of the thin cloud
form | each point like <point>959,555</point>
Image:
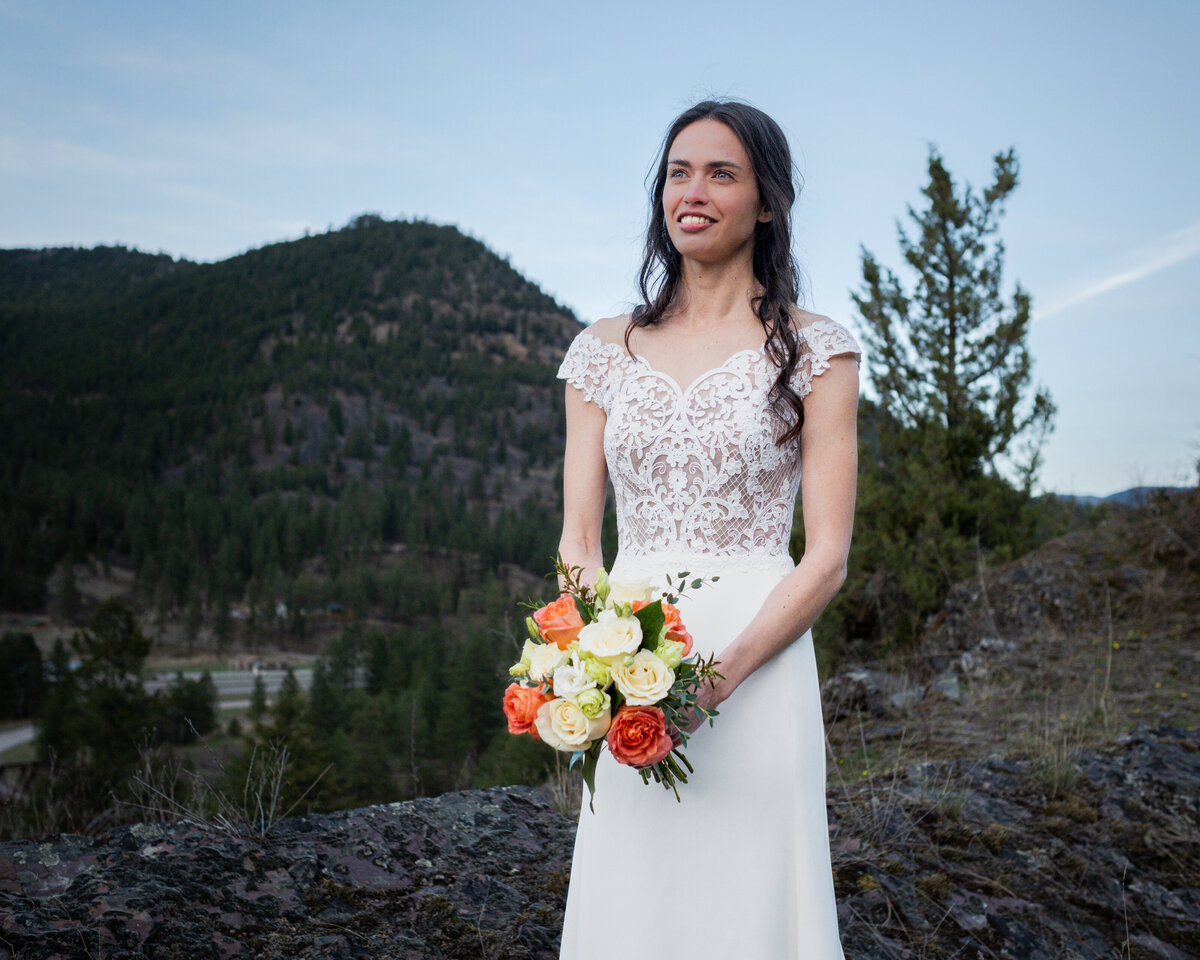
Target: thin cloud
<point>1175,247</point>
<point>35,156</point>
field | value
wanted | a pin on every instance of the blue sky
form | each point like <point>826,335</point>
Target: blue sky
<point>205,129</point>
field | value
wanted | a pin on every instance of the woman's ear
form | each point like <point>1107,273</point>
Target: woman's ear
<point>764,215</point>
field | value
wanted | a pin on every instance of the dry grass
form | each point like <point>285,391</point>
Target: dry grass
<point>166,791</point>
<point>564,788</point>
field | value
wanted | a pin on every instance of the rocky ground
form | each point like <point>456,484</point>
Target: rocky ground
<point>474,874</point>
<point>1098,856</point>
<point>996,858</point>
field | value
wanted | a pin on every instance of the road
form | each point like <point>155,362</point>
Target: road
<point>236,683</point>
<point>233,693</point>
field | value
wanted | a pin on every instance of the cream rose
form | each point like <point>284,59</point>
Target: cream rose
<point>564,726</point>
<point>628,590</point>
<point>544,659</point>
<point>611,636</point>
<point>643,679</point>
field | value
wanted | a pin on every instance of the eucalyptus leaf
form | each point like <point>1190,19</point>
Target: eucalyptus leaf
<point>589,772</point>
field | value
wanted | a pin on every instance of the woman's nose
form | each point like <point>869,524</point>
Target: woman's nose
<point>696,191</point>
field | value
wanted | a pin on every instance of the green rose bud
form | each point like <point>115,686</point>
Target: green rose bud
<point>597,670</point>
<point>532,627</point>
<point>518,669</point>
<point>602,586</point>
<point>670,652</point>
<point>592,702</point>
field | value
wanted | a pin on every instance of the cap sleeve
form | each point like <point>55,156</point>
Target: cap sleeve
<point>822,340</point>
<point>589,365</point>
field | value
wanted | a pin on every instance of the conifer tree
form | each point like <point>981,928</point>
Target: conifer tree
<point>956,421</point>
<point>258,700</point>
<point>949,358</point>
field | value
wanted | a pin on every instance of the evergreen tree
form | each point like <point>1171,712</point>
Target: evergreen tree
<point>949,363</point>
<point>189,709</point>
<point>21,676</point>
<point>258,700</point>
<point>949,359</point>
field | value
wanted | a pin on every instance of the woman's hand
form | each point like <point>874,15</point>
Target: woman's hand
<point>710,697</point>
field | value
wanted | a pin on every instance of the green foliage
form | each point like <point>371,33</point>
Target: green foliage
<point>189,709</point>
<point>21,678</point>
<point>144,396</point>
<point>400,713</point>
<point>955,416</point>
<point>96,720</point>
<point>258,700</point>
<point>949,359</point>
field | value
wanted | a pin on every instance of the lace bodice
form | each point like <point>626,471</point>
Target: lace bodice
<point>697,470</point>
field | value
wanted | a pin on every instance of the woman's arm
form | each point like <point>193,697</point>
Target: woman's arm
<point>584,476</point>
<point>829,470</point>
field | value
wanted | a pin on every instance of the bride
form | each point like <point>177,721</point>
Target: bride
<point>700,407</point>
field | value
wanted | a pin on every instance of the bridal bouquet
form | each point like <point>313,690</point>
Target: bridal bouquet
<point>610,666</point>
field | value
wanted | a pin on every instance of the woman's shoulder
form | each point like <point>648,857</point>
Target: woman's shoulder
<point>823,335</point>
<point>805,319</point>
<point>608,329</point>
<point>593,358</point>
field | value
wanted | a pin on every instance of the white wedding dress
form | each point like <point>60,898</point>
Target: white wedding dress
<point>739,870</point>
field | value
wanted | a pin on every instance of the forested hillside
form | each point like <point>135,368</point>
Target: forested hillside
<point>293,424</point>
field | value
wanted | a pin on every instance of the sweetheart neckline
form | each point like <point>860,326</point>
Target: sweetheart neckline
<point>759,352</point>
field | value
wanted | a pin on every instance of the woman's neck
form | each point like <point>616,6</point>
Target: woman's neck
<point>714,294</point>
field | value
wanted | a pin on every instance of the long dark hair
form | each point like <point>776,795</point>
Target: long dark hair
<point>774,266</point>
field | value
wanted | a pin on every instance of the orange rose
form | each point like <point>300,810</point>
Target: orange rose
<point>674,623</point>
<point>639,736</point>
<point>521,706</point>
<point>559,621</point>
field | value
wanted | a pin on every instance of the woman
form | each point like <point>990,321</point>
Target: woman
<point>700,407</point>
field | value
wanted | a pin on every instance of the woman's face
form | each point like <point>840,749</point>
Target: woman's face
<point>710,198</point>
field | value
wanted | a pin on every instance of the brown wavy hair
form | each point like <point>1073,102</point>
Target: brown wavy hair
<point>775,267</point>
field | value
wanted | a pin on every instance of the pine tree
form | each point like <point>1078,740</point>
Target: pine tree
<point>956,420</point>
<point>950,359</point>
<point>258,700</point>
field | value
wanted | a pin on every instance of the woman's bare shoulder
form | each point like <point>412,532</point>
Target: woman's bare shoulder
<point>802,318</point>
<point>610,329</point>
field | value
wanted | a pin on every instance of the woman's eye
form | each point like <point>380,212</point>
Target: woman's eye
<point>723,174</point>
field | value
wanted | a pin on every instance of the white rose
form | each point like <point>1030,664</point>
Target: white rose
<point>570,680</point>
<point>644,679</point>
<point>563,725</point>
<point>628,590</point>
<point>611,636</point>
<point>544,659</point>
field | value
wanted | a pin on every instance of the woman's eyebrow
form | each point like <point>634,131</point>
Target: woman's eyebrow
<point>711,166</point>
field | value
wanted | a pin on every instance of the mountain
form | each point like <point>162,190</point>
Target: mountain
<point>271,425</point>
<point>1133,497</point>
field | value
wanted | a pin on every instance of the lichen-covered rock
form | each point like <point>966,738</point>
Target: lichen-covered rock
<point>1009,859</point>
<point>993,858</point>
<point>477,873</point>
